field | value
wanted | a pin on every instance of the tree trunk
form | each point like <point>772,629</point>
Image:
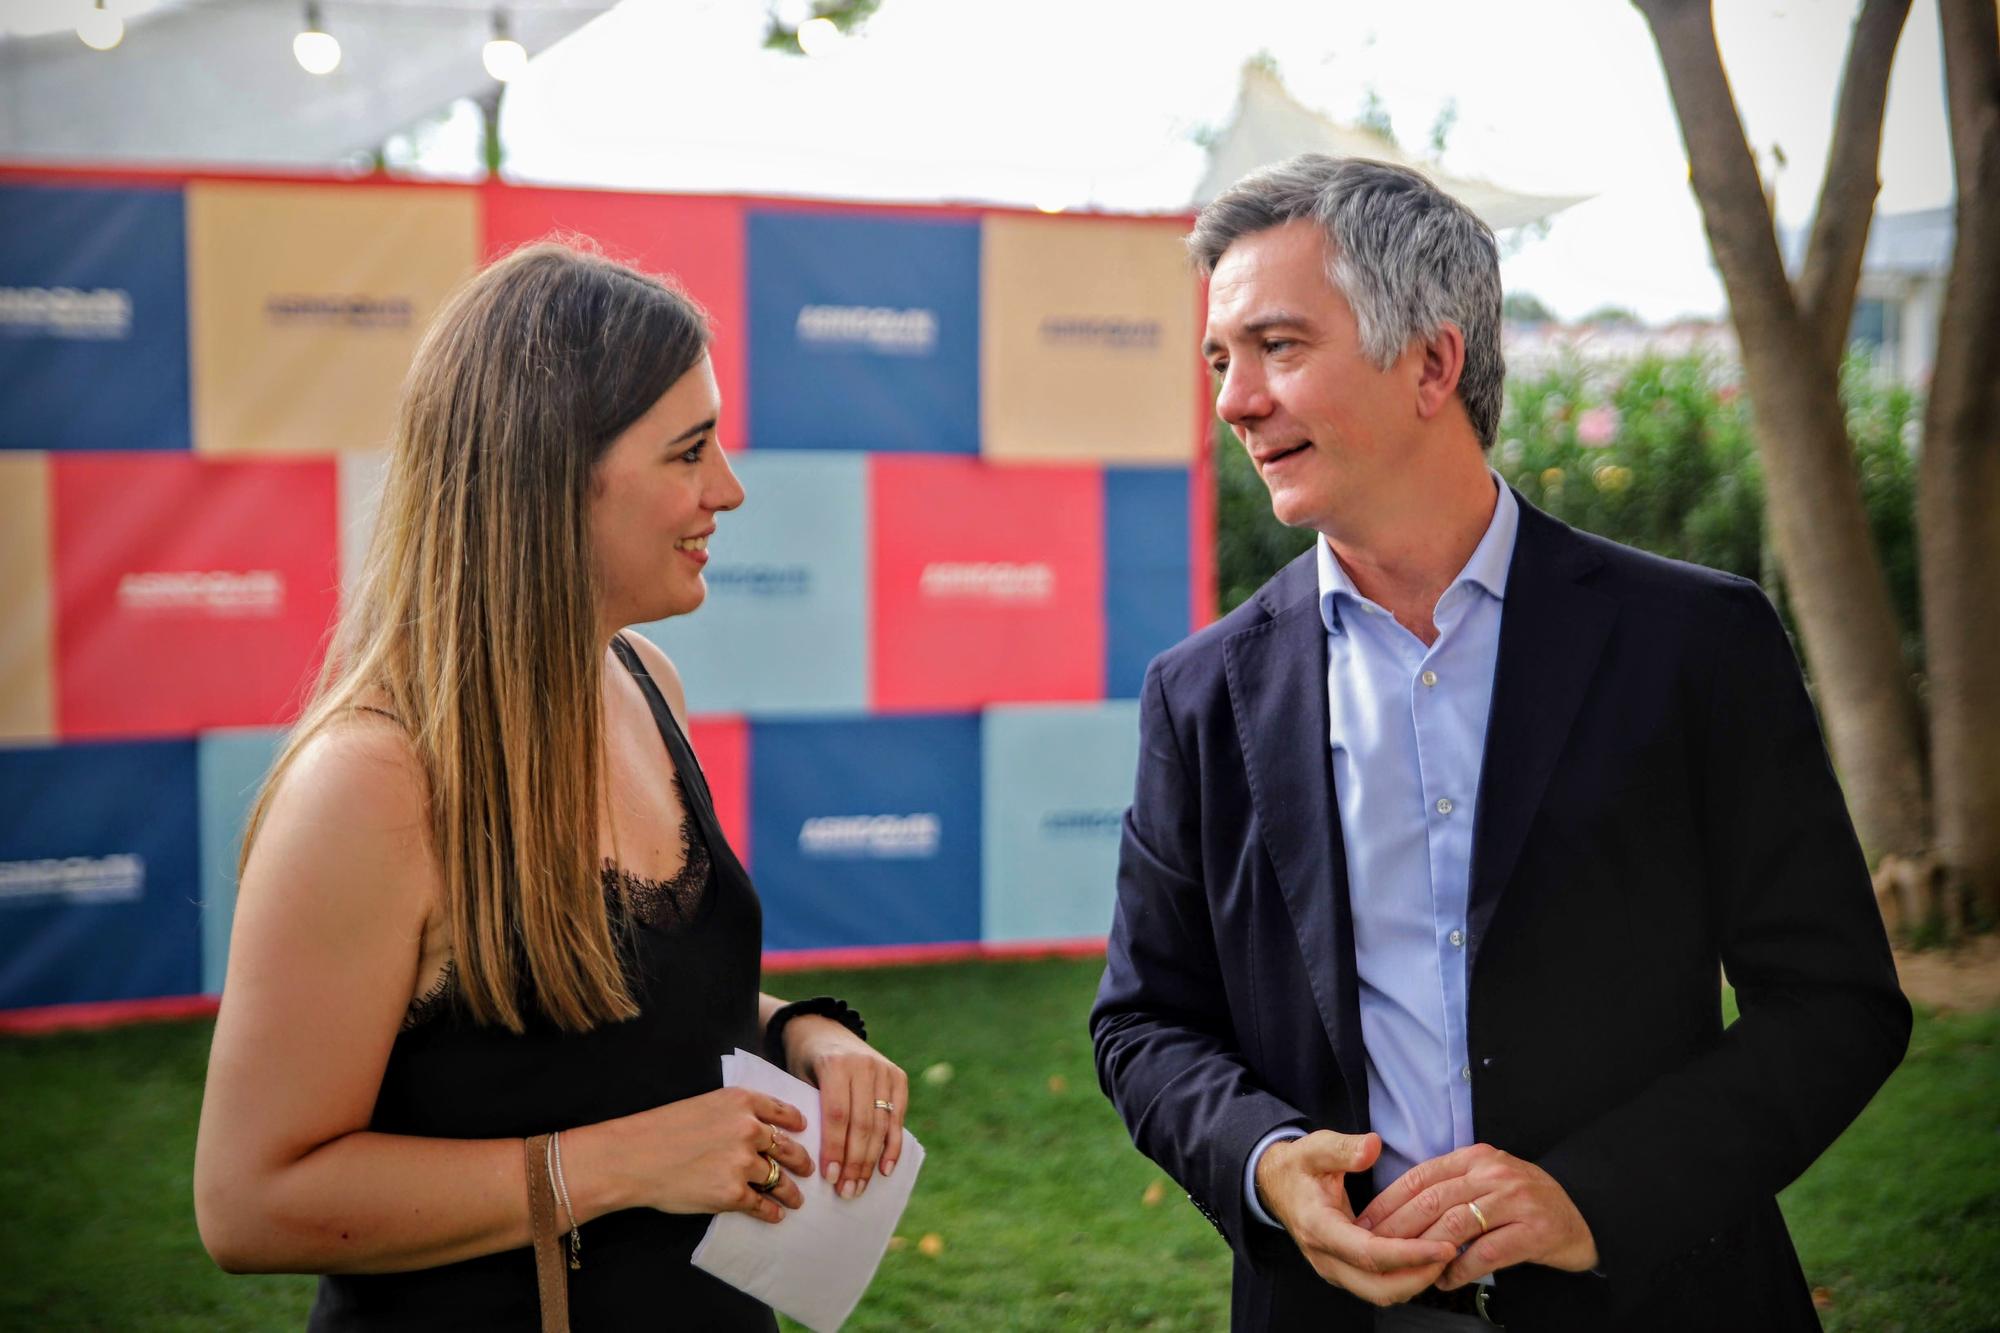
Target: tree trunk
<point>1833,573</point>
<point>1958,487</point>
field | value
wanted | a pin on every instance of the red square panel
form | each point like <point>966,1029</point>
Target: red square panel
<point>988,583</point>
<point>697,240</point>
<point>722,744</point>
<point>190,592</point>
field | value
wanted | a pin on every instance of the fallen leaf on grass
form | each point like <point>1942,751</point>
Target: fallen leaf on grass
<point>898,1243</point>
<point>1058,1084</point>
<point>1822,1298</point>
<point>938,1074</point>
<point>932,1245</point>
<point>1155,1195</point>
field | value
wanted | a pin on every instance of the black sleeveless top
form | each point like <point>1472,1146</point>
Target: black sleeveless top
<point>691,947</point>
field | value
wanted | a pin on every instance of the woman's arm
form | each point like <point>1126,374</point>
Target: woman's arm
<point>854,1079</point>
<point>329,923</point>
<point>855,1133</point>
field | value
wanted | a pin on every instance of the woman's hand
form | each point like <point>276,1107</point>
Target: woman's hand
<point>862,1096</point>
<point>703,1154</point>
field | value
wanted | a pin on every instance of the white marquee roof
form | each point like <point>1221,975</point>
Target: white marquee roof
<point>213,82</point>
<point>1271,125</point>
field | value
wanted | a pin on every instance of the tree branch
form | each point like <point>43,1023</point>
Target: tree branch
<point>1726,184</point>
<point>1968,370</point>
<point>1832,268</point>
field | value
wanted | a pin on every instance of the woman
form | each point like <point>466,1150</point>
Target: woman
<point>484,897</point>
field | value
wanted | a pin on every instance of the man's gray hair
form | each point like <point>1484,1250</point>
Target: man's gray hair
<point>1407,256</point>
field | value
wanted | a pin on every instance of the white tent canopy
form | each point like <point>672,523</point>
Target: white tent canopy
<point>214,81</point>
<point>1271,125</point>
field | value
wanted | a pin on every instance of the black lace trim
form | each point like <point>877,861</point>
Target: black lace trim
<point>434,1001</point>
<point>664,904</point>
<point>670,905</point>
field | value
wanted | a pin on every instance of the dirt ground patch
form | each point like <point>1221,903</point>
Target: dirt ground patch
<point>1961,979</point>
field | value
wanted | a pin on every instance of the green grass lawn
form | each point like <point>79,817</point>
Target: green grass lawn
<point>1048,1219</point>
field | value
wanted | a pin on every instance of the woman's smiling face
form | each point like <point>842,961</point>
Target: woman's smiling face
<point>655,494</point>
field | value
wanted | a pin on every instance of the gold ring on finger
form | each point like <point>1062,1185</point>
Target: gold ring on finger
<point>881,1105</point>
<point>770,1182</point>
<point>1477,1216</point>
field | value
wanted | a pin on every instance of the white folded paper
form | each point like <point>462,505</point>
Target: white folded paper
<point>814,1265</point>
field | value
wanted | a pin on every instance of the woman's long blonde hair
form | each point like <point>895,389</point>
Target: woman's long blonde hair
<point>475,622</point>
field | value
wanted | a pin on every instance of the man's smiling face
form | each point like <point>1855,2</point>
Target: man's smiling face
<point>1324,427</point>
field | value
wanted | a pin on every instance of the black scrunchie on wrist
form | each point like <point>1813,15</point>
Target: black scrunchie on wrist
<point>826,1006</point>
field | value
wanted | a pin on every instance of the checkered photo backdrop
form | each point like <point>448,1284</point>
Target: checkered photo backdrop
<point>974,447</point>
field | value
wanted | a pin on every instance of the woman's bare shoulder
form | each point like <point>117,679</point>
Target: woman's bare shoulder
<point>350,812</point>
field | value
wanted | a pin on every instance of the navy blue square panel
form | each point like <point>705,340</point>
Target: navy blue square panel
<point>100,873</point>
<point>93,318</point>
<point>866,832</point>
<point>864,332</point>
<point>1146,572</point>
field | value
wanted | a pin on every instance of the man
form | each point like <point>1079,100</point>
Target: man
<point>1440,843</point>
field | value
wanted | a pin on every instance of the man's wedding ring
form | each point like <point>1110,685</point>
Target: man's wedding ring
<point>881,1105</point>
<point>770,1181</point>
<point>1477,1216</point>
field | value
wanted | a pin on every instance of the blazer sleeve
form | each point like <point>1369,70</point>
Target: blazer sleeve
<point>1161,1027</point>
<point>1823,1022</point>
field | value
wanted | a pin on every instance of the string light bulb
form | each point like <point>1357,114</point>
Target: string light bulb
<point>819,37</point>
<point>504,57</point>
<point>316,50</point>
<point>99,28</point>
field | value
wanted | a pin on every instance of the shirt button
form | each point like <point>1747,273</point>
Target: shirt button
<point>1430,678</point>
<point>1458,939</point>
<point>1466,1073</point>
<point>1444,805</point>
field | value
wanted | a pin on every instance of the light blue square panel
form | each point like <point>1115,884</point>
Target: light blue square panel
<point>1057,780</point>
<point>231,767</point>
<point>785,627</point>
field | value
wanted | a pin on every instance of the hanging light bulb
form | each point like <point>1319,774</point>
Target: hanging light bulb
<point>819,37</point>
<point>315,49</point>
<point>505,58</point>
<point>99,28</point>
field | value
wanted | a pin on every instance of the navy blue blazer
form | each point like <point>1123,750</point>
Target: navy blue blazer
<point>1655,806</point>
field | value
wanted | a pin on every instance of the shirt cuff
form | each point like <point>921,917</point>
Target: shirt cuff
<point>1250,1171</point>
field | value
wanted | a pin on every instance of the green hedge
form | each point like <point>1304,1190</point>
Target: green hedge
<point>1656,454</point>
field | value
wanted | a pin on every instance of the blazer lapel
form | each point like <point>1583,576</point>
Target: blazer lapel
<point>1552,632</point>
<point>1277,690</point>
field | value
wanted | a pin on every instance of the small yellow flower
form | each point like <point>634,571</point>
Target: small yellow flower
<point>1552,478</point>
<point>1612,477</point>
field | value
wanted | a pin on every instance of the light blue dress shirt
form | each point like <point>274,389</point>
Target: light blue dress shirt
<point>1407,737</point>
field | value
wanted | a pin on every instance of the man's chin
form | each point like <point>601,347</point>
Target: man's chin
<point>1293,511</point>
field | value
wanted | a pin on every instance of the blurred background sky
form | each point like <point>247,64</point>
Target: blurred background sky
<point>1095,104</point>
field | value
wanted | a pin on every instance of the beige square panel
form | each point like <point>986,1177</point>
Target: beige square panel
<point>27,591</point>
<point>1088,346</point>
<point>305,304</point>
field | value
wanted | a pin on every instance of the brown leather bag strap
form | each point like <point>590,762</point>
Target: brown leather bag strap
<point>551,1279</point>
